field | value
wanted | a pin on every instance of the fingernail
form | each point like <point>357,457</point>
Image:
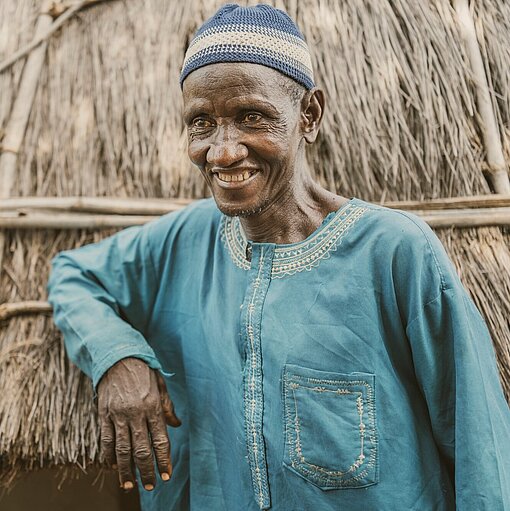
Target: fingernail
<point>149,487</point>
<point>165,476</point>
<point>128,485</point>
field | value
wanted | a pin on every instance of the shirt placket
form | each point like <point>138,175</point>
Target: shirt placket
<point>259,279</point>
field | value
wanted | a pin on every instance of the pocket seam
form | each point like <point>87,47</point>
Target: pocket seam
<point>325,478</point>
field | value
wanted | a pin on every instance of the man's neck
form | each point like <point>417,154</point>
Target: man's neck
<point>293,218</point>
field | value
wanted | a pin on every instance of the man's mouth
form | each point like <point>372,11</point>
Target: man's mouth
<point>234,178</point>
<point>227,178</point>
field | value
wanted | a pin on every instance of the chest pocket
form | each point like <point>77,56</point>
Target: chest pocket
<point>330,428</point>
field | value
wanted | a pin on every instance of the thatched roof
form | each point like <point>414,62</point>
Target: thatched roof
<point>401,123</point>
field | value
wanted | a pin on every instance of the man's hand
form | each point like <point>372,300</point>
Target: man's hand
<point>133,408</point>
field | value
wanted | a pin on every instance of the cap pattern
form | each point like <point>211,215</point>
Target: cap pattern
<point>260,35</point>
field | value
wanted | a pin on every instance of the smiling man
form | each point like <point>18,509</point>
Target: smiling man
<point>325,354</point>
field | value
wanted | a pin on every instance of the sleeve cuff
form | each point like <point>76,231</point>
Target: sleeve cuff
<point>121,352</point>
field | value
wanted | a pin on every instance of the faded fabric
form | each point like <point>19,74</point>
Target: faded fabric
<point>347,371</point>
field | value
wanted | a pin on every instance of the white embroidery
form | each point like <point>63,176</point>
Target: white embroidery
<point>305,255</point>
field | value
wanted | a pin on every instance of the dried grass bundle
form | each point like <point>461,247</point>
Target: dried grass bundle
<point>106,121</point>
<point>479,256</point>
<point>17,21</point>
<point>47,414</point>
<point>401,126</point>
<point>397,126</point>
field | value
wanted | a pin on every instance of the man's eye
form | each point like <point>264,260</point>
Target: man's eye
<point>252,117</point>
<point>200,122</point>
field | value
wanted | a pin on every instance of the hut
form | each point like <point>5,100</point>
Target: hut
<point>91,140</point>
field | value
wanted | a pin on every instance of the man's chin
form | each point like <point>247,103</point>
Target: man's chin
<point>239,210</point>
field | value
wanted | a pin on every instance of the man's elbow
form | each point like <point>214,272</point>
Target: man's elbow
<point>63,272</point>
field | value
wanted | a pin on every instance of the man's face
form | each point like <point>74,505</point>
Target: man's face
<point>243,134</point>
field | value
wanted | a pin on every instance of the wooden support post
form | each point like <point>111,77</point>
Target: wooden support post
<point>16,126</point>
<point>492,140</point>
<point>60,10</point>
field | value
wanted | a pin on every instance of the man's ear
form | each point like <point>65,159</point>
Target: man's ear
<point>312,109</point>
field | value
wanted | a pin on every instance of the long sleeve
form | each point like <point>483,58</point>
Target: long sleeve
<point>456,371</point>
<point>102,295</point>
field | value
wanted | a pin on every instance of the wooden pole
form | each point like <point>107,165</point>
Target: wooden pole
<point>64,12</point>
<point>57,220</point>
<point>483,217</point>
<point>469,202</point>
<point>151,206</point>
<point>16,126</point>
<point>107,205</point>
<point>9,310</point>
<point>492,140</point>
<point>71,221</point>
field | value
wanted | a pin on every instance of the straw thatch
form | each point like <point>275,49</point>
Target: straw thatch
<point>493,29</point>
<point>401,124</point>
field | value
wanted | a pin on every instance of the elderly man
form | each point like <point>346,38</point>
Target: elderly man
<point>325,354</point>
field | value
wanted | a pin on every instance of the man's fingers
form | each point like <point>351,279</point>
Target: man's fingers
<point>123,455</point>
<point>166,403</point>
<point>142,454</point>
<point>161,447</point>
<point>107,441</point>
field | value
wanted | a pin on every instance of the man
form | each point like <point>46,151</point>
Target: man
<point>325,354</point>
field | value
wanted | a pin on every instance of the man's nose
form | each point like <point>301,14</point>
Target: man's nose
<point>226,149</point>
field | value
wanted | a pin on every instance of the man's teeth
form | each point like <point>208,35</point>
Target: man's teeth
<point>233,177</point>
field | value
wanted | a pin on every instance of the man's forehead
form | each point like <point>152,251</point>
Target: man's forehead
<point>229,74</point>
<point>234,80</point>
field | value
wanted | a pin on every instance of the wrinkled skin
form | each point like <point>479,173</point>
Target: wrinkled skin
<point>240,119</point>
<point>134,408</point>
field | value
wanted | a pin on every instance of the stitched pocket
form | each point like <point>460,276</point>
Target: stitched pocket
<point>330,428</point>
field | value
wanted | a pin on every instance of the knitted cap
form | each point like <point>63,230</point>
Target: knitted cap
<point>260,35</point>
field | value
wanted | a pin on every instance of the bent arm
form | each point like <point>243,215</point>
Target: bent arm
<point>102,295</point>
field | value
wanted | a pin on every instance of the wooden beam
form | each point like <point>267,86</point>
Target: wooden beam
<point>475,201</point>
<point>150,206</point>
<point>50,220</point>
<point>57,220</point>
<point>107,205</point>
<point>9,310</point>
<point>466,217</point>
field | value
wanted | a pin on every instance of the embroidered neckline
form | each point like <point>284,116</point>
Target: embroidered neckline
<point>295,257</point>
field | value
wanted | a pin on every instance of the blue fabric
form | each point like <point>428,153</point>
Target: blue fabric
<point>348,371</point>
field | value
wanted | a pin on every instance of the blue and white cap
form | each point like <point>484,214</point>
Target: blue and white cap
<point>260,34</point>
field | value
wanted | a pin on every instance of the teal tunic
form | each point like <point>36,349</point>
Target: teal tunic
<point>349,371</point>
